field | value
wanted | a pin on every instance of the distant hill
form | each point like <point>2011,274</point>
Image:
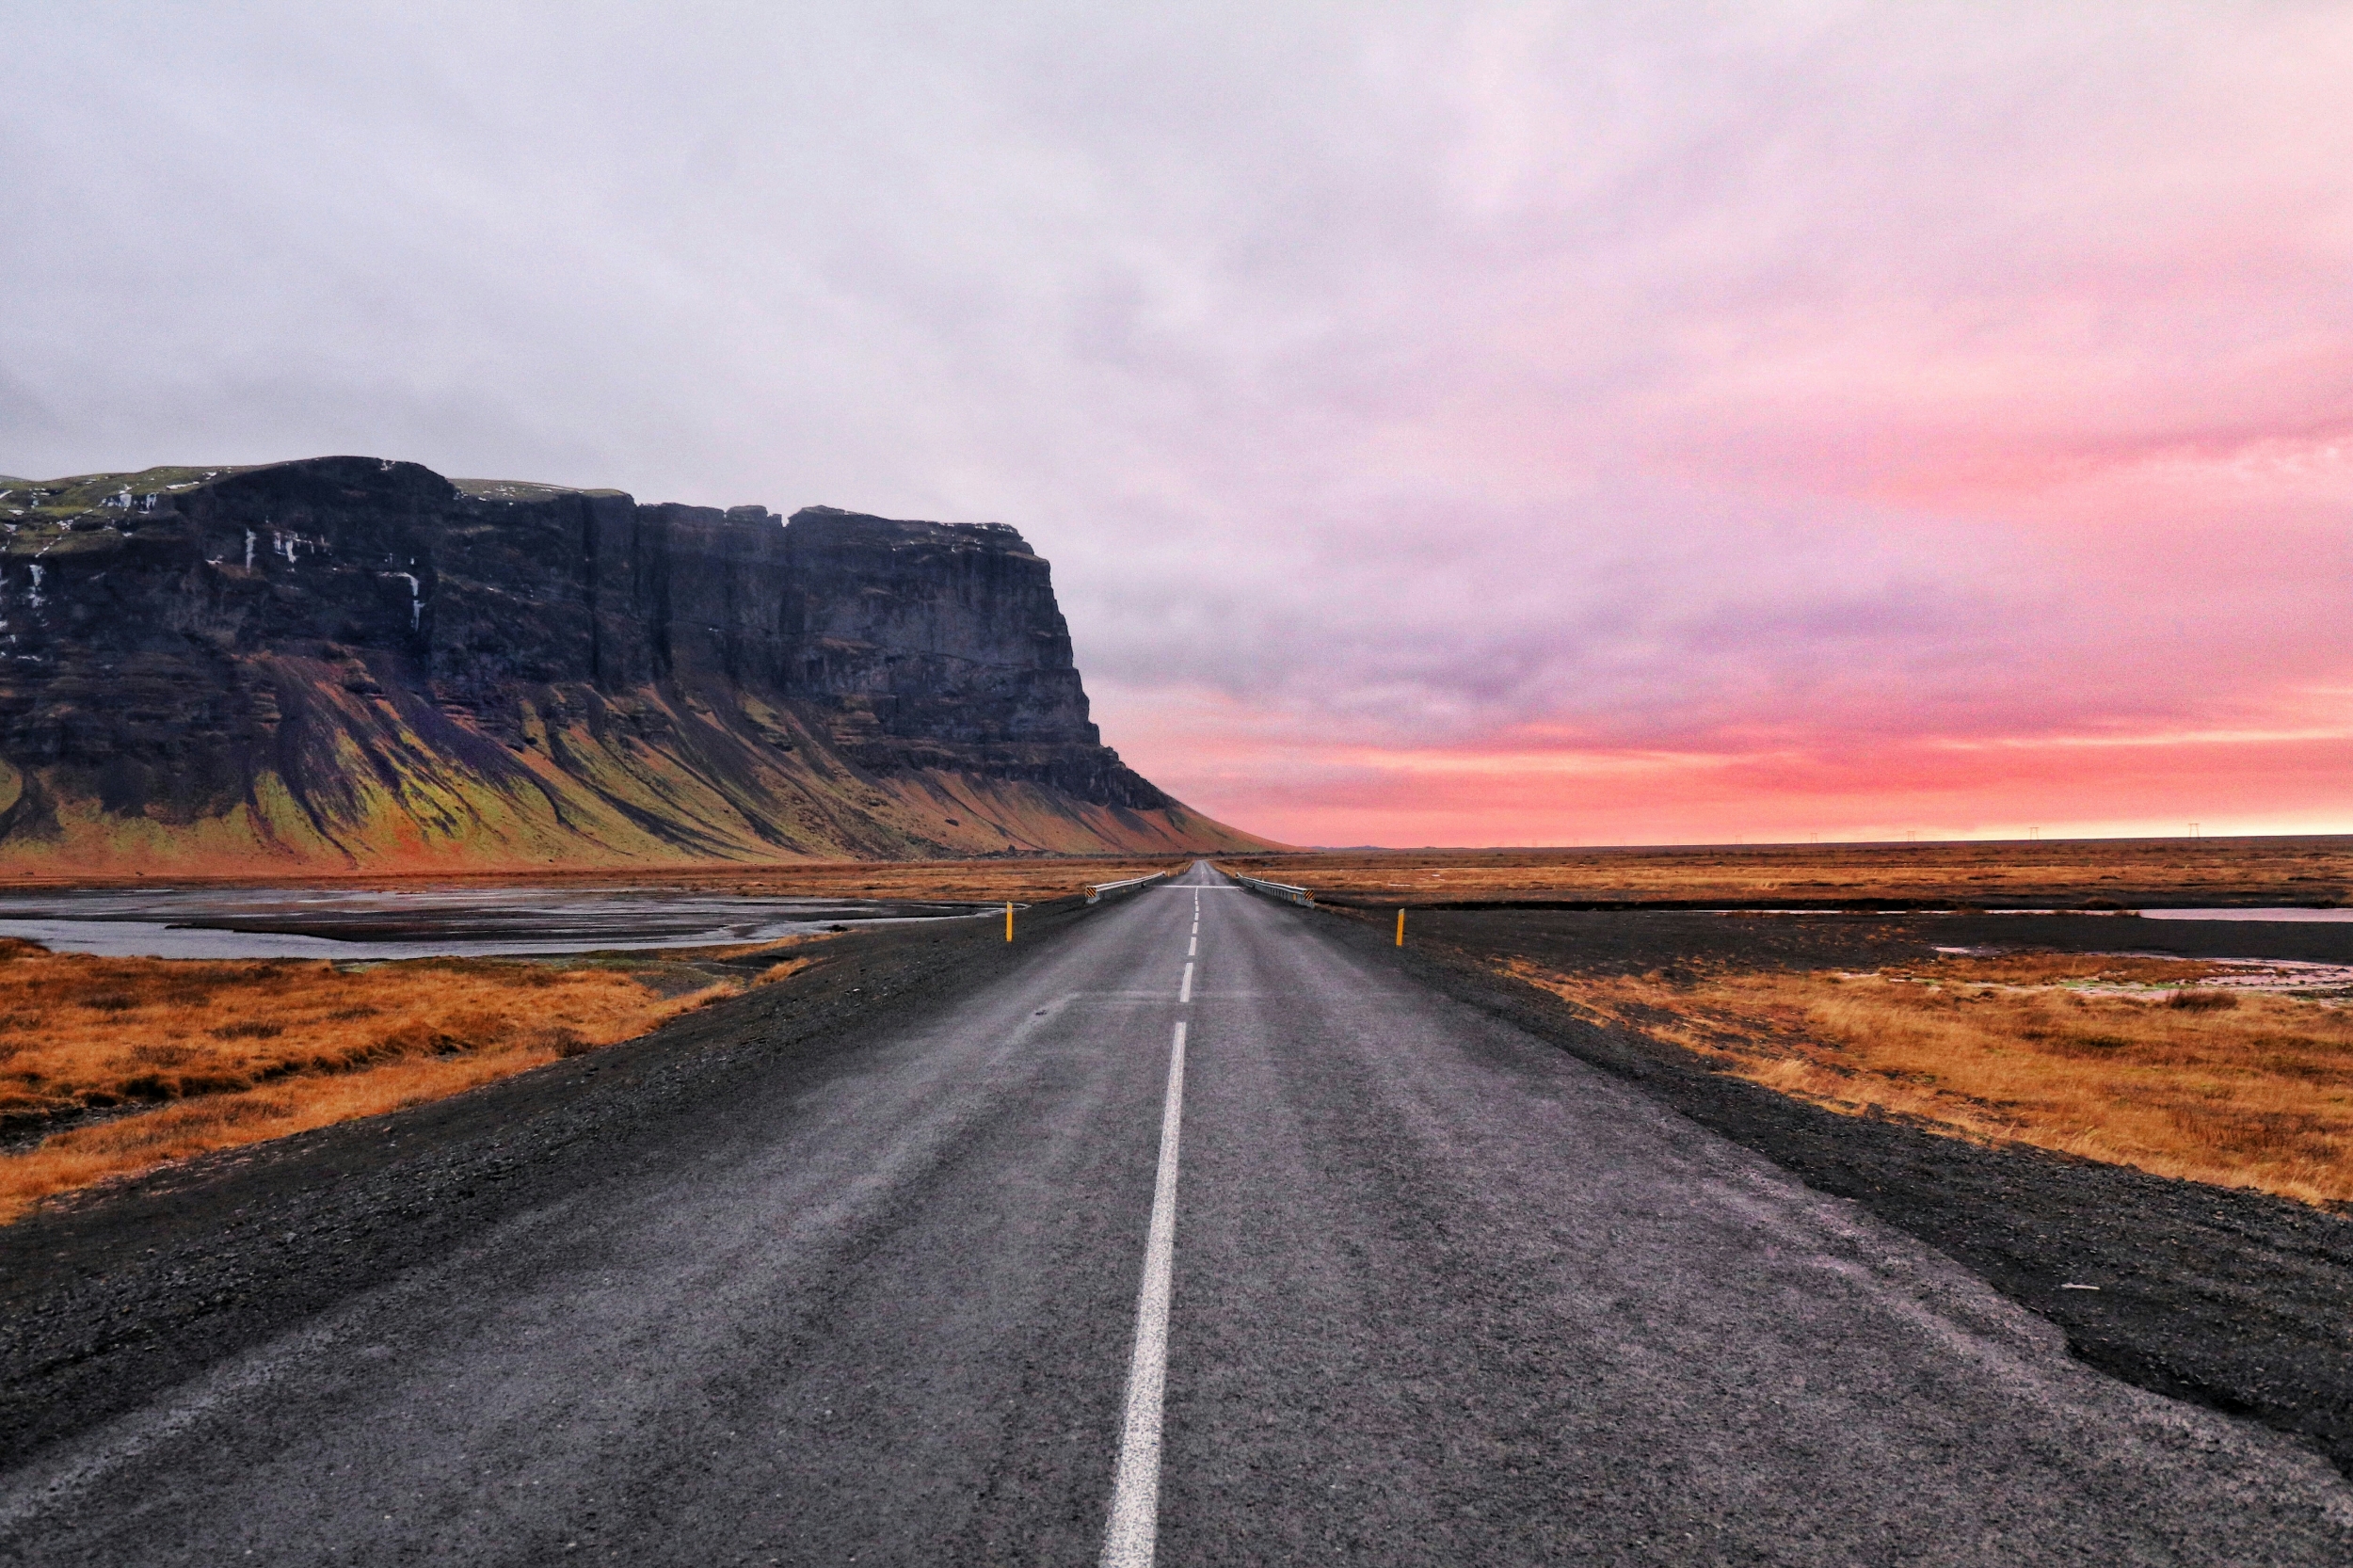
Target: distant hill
<point>349,662</point>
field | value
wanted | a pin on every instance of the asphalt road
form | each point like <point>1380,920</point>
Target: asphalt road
<point>1435,1292</point>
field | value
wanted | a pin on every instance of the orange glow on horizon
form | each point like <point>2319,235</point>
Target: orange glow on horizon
<point>1493,792</point>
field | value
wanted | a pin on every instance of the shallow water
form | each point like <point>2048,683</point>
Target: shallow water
<point>2281,914</point>
<point>425,922</point>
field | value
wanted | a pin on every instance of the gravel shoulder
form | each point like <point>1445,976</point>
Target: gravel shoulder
<point>2234,1298</point>
<point>115,1294</point>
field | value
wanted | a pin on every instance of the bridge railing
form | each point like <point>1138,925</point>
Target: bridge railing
<point>1275,889</point>
<point>1095,894</point>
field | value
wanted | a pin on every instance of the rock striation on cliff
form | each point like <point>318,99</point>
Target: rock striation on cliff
<point>349,662</point>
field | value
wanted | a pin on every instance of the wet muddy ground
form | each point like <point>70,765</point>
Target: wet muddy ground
<point>364,923</point>
<point>1580,941</point>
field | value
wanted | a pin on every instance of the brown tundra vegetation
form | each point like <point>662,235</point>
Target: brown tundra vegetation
<point>109,1067</point>
<point>2078,871</point>
<point>2143,1062</point>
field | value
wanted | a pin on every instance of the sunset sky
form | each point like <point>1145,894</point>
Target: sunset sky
<point>1454,424</point>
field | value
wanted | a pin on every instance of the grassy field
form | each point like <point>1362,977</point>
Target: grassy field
<point>136,1061</point>
<point>111,1066</point>
<point>2171,1066</point>
<point>2069,873</point>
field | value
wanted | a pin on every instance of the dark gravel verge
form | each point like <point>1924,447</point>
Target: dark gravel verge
<point>2237,1300</point>
<point>108,1299</point>
<point>1631,941</point>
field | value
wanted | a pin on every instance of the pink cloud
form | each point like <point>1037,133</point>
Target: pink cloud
<point>1475,423</point>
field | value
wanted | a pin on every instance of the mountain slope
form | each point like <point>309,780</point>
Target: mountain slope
<point>350,662</point>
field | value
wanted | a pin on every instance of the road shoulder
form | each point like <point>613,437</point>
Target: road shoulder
<point>113,1296</point>
<point>2234,1298</point>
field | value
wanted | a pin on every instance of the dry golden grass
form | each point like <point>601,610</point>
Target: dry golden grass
<point>777,973</point>
<point>138,1062</point>
<point>2066,872</point>
<point>2086,1055</point>
<point>178,1058</point>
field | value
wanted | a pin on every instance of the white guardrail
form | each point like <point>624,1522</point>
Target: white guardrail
<point>1096,893</point>
<point>1278,889</point>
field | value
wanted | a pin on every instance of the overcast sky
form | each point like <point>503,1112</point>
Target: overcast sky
<point>1448,425</point>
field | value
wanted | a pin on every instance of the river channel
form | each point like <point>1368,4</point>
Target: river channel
<point>424,922</point>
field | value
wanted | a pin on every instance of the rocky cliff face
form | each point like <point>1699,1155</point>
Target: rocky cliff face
<point>358,663</point>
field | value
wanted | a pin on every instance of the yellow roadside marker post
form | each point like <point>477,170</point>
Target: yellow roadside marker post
<point>1401,928</point>
<point>1008,920</point>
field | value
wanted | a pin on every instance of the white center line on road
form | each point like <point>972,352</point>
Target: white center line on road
<point>1133,1532</point>
<point>1184,991</point>
<point>1192,949</point>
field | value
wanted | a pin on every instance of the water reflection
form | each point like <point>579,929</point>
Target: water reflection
<point>2241,914</point>
<point>425,922</point>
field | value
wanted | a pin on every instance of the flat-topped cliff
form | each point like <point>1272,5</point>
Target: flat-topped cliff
<point>349,662</point>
